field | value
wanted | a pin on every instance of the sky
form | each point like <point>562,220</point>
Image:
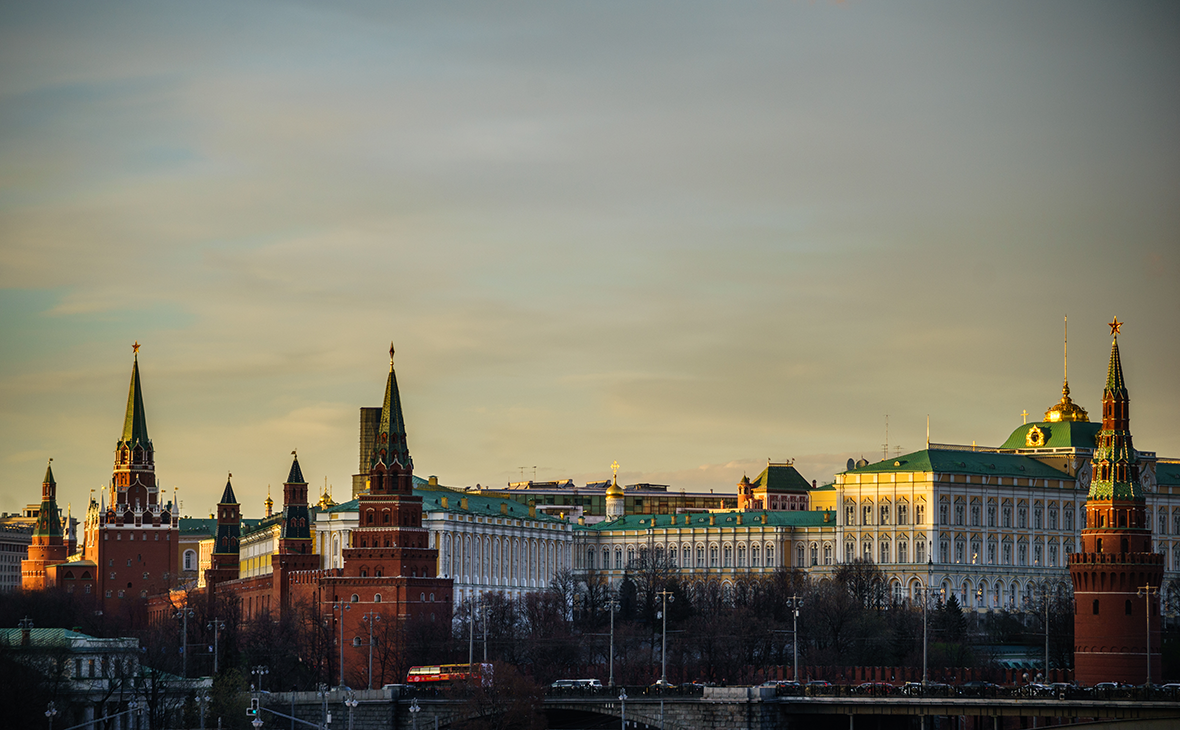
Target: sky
<point>686,237</point>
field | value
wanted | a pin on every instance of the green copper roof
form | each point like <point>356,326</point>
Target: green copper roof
<point>1059,435</point>
<point>774,518</point>
<point>135,422</point>
<point>49,475</point>
<point>781,478</point>
<point>485,506</point>
<point>964,462</point>
<point>296,474</point>
<point>1167,474</point>
<point>1114,373</point>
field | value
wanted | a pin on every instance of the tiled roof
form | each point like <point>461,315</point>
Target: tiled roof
<point>1168,473</point>
<point>781,478</point>
<point>1060,435</point>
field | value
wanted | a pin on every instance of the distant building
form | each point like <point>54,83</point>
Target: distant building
<point>14,549</point>
<point>778,487</point>
<point>563,499</point>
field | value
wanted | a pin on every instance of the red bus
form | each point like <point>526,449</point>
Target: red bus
<point>449,674</point>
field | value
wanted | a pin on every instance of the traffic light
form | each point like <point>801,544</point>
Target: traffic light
<point>252,710</point>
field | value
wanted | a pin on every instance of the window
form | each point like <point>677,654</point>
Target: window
<point>700,556</point>
<point>769,556</point>
<point>884,514</point>
<point>618,558</point>
<point>991,552</point>
<point>868,551</point>
<point>799,557</point>
<point>741,552</point>
<point>827,554</point>
<point>755,553</point>
<point>1127,607</point>
<point>903,552</point>
<point>190,560</point>
<point>814,554</point>
<point>1022,516</point>
<point>1022,553</point>
<point>850,515</point>
<point>868,514</point>
<point>1037,514</point>
<point>727,554</point>
<point>1007,553</point>
<point>975,550</point>
<point>1038,557</point>
<point>903,514</point>
<point>959,550</point>
<point>975,514</point>
<point>944,513</point>
<point>1053,556</point>
<point>958,513</point>
<point>1094,608</point>
<point>1006,514</point>
<point>919,514</point>
<point>377,597</point>
<point>884,551</point>
<point>712,556</point>
<point>920,551</point>
<point>1067,519</point>
<point>355,598</point>
<point>944,552</point>
<point>1053,517</point>
<point>991,513</point>
<point>849,551</point>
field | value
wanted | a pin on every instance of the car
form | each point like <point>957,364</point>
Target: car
<point>818,686</point>
<point>874,688</point>
<point>976,688</point>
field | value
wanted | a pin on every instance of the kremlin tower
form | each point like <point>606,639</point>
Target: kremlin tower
<point>48,547</point>
<point>224,562</point>
<point>1116,576</point>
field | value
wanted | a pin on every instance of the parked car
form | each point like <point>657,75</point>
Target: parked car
<point>874,688</point>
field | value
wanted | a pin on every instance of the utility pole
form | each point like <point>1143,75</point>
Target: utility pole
<point>370,617</point>
<point>341,606</point>
<point>183,614</point>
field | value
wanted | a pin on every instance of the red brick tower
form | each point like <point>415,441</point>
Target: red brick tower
<point>224,562</point>
<point>132,536</point>
<point>295,546</point>
<point>390,539</point>
<point>48,547</point>
<point>1116,576</point>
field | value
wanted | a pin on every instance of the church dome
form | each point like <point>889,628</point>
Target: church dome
<point>615,491</point>
<point>1065,409</point>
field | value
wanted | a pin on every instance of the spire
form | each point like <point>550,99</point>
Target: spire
<point>391,435</point>
<point>1066,409</point>
<point>227,497</point>
<point>135,422</point>
<point>48,521</point>
<point>270,503</point>
<point>296,475</point>
<point>1114,373</point>
<point>49,474</point>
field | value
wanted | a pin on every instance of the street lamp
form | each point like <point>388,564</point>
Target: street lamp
<point>369,618</point>
<point>414,710</point>
<point>796,602</point>
<point>216,625</point>
<point>612,604</point>
<point>667,596</point>
<point>49,713</point>
<point>184,614</point>
<point>350,702</point>
<point>260,672</point>
<point>204,700</point>
<point>623,706</point>
<point>1147,592</point>
<point>341,606</point>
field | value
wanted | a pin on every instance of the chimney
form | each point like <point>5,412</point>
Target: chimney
<point>532,509</point>
<point>433,481</point>
<point>827,516</point>
<point>712,519</point>
<point>463,503</point>
<point>739,516</point>
<point>581,519</point>
<point>503,508</point>
<point>446,503</point>
<point>813,484</point>
<point>764,518</point>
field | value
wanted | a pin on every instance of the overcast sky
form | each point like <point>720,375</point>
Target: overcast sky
<point>687,237</point>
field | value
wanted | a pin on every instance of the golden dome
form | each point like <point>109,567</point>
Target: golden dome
<point>1066,409</point>
<point>615,491</point>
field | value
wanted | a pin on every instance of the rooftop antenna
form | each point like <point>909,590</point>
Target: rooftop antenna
<point>534,472</point>
<point>1067,349</point>
<point>885,446</point>
<point>521,473</point>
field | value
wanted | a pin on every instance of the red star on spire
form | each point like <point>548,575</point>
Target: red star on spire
<point>1115,326</point>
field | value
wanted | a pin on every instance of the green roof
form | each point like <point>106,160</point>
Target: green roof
<point>774,518</point>
<point>781,478</point>
<point>1060,435</point>
<point>135,421</point>
<point>208,525</point>
<point>432,497</point>
<point>964,462</point>
<point>1167,473</point>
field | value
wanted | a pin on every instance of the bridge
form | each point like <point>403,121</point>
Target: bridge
<point>747,708</point>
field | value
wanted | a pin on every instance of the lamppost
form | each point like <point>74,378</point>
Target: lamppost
<point>414,710</point>
<point>203,700</point>
<point>260,672</point>
<point>322,691</point>
<point>341,606</point>
<point>369,618</point>
<point>184,614</point>
<point>216,625</point>
<point>1044,586</point>
<point>470,637</point>
<point>796,602</point>
<point>350,702</point>
<point>612,604</point>
<point>49,713</point>
<point>623,707</point>
<point>925,627</point>
<point>1147,592</point>
<point>667,596</point>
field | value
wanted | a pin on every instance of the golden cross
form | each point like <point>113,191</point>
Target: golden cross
<point>1115,326</point>
<point>135,347</point>
<point>615,468</point>
<point>1024,413</point>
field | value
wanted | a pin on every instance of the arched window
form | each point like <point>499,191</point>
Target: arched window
<point>190,559</point>
<point>355,598</point>
<point>769,556</point>
<point>1127,607</point>
<point>376,598</point>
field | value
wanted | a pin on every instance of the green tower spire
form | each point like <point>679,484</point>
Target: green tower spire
<point>391,447</point>
<point>135,431</point>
